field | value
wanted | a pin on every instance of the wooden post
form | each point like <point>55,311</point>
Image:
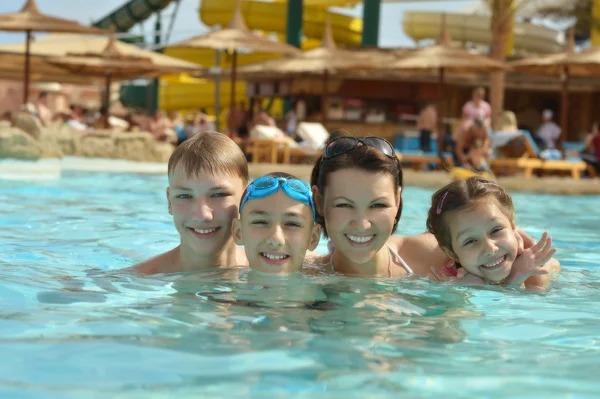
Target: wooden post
<point>27,61</point>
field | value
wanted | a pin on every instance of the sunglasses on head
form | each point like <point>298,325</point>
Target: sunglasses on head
<point>342,145</point>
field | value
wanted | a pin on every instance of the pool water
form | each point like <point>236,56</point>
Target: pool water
<point>71,327</point>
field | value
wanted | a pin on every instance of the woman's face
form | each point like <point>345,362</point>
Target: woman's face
<point>359,208</point>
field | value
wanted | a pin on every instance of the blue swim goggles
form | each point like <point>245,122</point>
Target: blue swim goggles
<point>268,185</point>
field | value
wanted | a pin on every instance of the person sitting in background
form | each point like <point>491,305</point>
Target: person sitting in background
<point>427,124</point>
<point>473,146</point>
<point>549,131</point>
<point>102,120</point>
<point>176,121</point>
<point>506,130</point>
<point>291,122</point>
<point>591,150</point>
<point>263,118</point>
<point>7,116</point>
<point>158,125</point>
<point>43,111</point>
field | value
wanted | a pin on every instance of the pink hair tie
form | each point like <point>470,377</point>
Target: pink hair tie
<point>441,203</point>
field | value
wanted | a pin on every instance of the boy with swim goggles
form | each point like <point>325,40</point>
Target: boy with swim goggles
<point>277,223</point>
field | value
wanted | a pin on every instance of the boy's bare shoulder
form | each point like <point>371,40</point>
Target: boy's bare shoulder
<point>167,262</point>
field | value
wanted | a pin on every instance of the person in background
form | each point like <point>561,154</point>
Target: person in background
<point>237,120</point>
<point>473,146</point>
<point>591,150</point>
<point>159,125</point>
<point>549,131</point>
<point>478,108</point>
<point>427,124</point>
<point>263,118</point>
<point>291,121</point>
<point>176,120</point>
<point>7,116</point>
<point>43,111</point>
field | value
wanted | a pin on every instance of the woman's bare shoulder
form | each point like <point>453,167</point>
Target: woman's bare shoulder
<point>421,252</point>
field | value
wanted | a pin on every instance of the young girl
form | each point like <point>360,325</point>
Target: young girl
<point>473,221</point>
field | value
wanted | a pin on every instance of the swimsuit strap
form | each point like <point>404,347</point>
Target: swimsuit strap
<point>392,253</point>
<point>399,259</point>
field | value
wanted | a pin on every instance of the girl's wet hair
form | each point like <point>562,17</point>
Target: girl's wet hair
<point>460,195</point>
<point>361,157</point>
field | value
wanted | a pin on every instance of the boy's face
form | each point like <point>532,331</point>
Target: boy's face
<point>276,231</point>
<point>203,208</point>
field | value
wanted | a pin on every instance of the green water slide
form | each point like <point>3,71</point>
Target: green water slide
<point>123,19</point>
<point>131,13</point>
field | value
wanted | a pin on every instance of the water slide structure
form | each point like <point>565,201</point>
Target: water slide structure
<point>269,17</point>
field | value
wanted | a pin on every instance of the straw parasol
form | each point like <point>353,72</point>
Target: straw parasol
<point>110,64</point>
<point>234,37</point>
<point>29,20</point>
<point>324,60</point>
<point>565,65</point>
<point>444,58</point>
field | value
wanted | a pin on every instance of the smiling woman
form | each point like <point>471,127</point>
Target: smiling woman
<point>357,184</point>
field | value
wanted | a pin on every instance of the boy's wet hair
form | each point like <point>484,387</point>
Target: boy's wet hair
<point>212,153</point>
<point>460,195</point>
<point>361,157</point>
<point>285,175</point>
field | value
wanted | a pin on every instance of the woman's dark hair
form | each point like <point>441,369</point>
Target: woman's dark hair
<point>361,157</point>
<point>459,195</point>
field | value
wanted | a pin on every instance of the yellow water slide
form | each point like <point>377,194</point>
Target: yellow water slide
<point>527,38</point>
<point>267,17</point>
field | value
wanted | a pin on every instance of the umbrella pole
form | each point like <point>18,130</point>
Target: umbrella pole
<point>107,100</point>
<point>441,111</point>
<point>324,99</point>
<point>232,101</point>
<point>106,92</point>
<point>564,108</point>
<point>218,90</point>
<point>27,61</point>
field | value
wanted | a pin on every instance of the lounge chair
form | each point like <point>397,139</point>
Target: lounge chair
<point>408,149</point>
<point>530,160</point>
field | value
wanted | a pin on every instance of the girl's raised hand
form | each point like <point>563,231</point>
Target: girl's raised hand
<point>530,261</point>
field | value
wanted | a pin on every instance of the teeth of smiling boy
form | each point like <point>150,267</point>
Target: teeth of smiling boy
<point>274,257</point>
<point>360,239</point>
<point>204,231</point>
<point>496,263</point>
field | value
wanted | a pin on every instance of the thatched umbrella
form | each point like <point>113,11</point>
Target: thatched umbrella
<point>565,64</point>
<point>234,37</point>
<point>29,20</point>
<point>324,60</point>
<point>110,64</point>
<point>443,58</point>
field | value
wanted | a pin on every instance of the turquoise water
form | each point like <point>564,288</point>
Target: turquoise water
<point>72,328</point>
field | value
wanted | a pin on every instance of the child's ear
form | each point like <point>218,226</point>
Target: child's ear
<point>236,231</point>
<point>169,201</point>
<point>315,236</point>
<point>318,199</point>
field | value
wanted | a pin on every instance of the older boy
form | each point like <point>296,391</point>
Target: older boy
<point>207,176</point>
